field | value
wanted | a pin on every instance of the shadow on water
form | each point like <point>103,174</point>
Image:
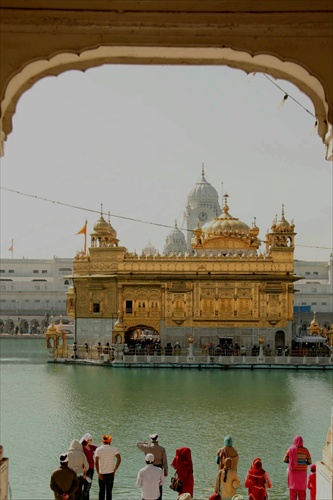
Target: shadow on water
<point>262,410</point>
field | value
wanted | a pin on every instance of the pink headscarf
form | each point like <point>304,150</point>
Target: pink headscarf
<point>297,443</point>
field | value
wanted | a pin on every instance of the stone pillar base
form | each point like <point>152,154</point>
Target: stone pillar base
<point>324,481</point>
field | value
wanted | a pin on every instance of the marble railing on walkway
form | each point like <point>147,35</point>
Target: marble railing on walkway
<point>225,360</point>
<point>114,355</point>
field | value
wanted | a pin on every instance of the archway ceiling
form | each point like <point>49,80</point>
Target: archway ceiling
<point>288,40</point>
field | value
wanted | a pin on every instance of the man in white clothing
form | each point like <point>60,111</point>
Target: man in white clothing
<point>105,456</point>
<point>150,479</point>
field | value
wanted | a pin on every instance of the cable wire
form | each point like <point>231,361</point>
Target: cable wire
<point>55,202</point>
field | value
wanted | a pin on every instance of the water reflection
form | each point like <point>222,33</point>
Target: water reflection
<point>45,406</point>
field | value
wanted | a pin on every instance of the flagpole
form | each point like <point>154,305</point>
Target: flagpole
<point>85,238</point>
<point>11,249</point>
<point>84,231</point>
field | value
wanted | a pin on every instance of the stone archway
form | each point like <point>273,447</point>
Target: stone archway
<point>264,63</point>
<point>141,336</point>
<point>280,339</point>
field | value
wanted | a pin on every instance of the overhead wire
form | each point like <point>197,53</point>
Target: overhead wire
<point>132,219</point>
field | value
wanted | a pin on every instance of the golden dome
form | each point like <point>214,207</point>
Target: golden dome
<point>103,235</point>
<point>112,230</point>
<point>254,229</point>
<point>101,226</point>
<point>226,232</point>
<point>282,226</point>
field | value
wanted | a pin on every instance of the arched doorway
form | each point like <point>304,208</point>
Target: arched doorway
<point>9,326</point>
<point>24,326</point>
<point>142,339</point>
<point>280,341</point>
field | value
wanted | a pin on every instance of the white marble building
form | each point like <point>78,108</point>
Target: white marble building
<point>33,290</point>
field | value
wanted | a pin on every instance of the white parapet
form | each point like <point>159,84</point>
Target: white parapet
<point>325,467</point>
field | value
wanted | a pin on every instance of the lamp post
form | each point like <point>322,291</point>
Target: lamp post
<point>261,349</point>
<point>74,296</point>
<point>190,349</point>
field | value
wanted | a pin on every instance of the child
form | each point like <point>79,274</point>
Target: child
<point>227,481</point>
<point>312,482</point>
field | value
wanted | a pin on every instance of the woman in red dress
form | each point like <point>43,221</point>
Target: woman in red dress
<point>257,480</point>
<point>184,468</point>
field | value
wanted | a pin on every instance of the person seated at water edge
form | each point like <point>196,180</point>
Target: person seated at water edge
<point>150,479</point>
<point>79,463</point>
<point>298,458</point>
<point>182,463</point>
<point>64,481</point>
<point>227,481</point>
<point>105,466</point>
<point>312,482</point>
<point>228,451</point>
<point>89,451</point>
<point>257,480</point>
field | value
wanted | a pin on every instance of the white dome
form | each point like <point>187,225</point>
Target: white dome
<point>175,242</point>
<point>203,194</point>
<point>149,249</point>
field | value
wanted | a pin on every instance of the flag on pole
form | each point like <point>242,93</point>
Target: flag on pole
<point>11,248</point>
<point>84,231</point>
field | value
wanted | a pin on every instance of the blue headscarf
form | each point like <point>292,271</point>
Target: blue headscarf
<point>228,441</point>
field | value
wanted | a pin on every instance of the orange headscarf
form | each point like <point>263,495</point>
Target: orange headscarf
<point>106,439</point>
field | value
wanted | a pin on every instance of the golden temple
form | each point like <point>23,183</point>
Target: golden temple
<point>222,287</point>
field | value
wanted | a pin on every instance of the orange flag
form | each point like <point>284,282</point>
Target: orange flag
<point>84,231</point>
<point>11,248</point>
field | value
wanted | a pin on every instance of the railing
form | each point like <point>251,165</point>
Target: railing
<point>227,360</point>
<point>115,354</point>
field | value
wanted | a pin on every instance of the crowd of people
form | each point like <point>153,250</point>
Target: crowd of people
<point>72,480</point>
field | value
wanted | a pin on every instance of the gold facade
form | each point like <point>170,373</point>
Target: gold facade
<point>219,288</point>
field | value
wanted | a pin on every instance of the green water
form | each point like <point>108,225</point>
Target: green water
<point>44,406</point>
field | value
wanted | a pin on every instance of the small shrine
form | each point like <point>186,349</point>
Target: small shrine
<point>56,340</point>
<point>316,330</point>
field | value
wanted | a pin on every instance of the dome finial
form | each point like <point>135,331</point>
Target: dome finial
<point>101,209</point>
<point>282,211</point>
<point>225,207</point>
<point>109,216</point>
<point>176,226</point>
<point>202,169</point>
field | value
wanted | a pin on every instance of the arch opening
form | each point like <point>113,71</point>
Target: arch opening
<point>259,63</point>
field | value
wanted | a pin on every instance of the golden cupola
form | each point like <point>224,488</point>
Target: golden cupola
<point>226,234</point>
<point>314,326</point>
<point>282,234</point>
<point>103,235</point>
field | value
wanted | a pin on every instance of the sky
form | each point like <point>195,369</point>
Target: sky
<point>134,138</point>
